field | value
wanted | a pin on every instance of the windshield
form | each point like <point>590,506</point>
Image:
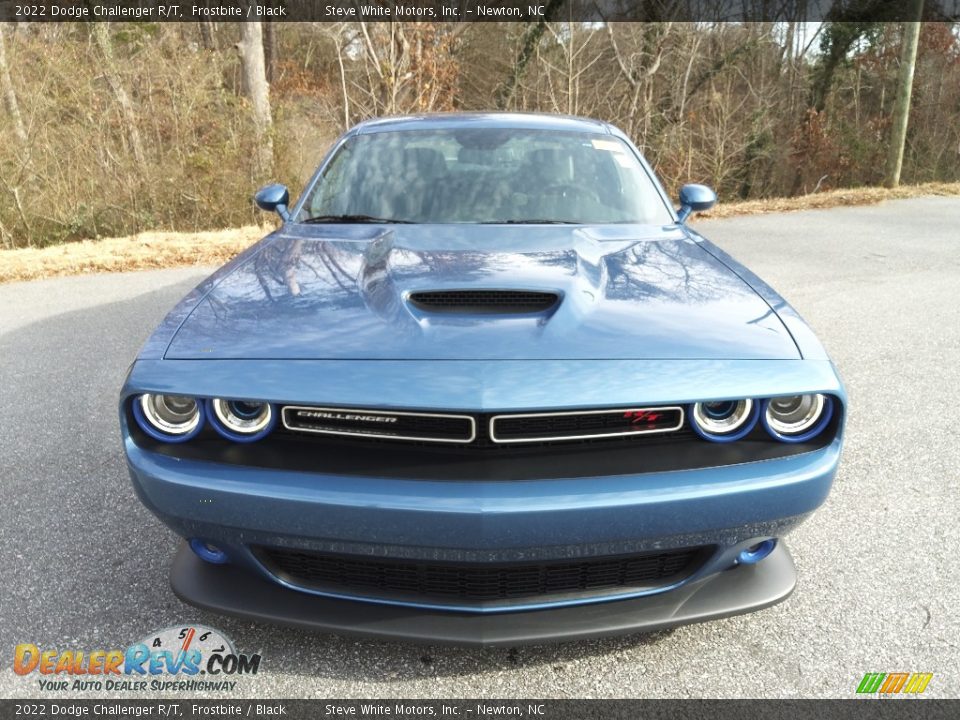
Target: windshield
<point>491,175</point>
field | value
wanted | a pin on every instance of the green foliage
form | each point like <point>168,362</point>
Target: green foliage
<point>136,34</point>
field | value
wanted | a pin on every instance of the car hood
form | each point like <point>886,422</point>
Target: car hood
<point>342,292</point>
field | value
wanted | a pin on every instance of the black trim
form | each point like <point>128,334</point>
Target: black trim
<point>400,426</point>
<point>480,584</point>
<point>487,302</point>
<point>230,590</point>
<point>482,459</point>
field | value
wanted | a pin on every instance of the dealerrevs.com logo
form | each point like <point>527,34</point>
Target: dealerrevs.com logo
<point>188,658</point>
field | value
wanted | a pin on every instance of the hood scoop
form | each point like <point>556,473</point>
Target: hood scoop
<point>485,302</point>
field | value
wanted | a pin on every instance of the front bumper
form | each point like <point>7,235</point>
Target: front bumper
<point>231,590</point>
<point>562,518</point>
<point>726,508</point>
<point>559,516</point>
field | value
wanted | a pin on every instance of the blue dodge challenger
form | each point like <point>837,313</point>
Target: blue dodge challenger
<point>483,386</point>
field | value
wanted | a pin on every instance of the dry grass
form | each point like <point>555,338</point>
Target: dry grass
<point>149,250</point>
<point>172,249</point>
<point>830,199</point>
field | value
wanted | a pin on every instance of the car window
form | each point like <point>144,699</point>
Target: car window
<point>487,176</point>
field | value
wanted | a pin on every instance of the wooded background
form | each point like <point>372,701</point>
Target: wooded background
<point>110,129</point>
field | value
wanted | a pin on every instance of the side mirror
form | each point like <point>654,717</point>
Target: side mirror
<point>274,198</point>
<point>695,198</point>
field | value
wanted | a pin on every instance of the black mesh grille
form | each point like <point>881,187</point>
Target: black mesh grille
<point>608,423</point>
<point>478,582</point>
<point>483,301</point>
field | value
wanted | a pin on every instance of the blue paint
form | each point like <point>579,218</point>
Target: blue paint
<point>208,552</point>
<point>755,553</point>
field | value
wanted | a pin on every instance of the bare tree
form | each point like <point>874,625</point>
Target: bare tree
<point>10,184</point>
<point>341,39</point>
<point>206,35</point>
<point>255,87</point>
<point>638,66</point>
<point>101,34</point>
<point>9,94</point>
<point>528,46</point>
<point>573,43</point>
<point>756,109</point>
<point>391,68</point>
<point>901,109</point>
<point>270,49</point>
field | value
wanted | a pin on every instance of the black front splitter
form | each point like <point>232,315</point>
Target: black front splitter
<point>230,590</point>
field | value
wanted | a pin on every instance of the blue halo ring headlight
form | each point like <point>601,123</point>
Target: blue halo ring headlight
<point>797,418</point>
<point>724,420</point>
<point>241,420</point>
<point>169,418</point>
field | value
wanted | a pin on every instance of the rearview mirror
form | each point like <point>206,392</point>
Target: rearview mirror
<point>274,198</point>
<point>695,198</point>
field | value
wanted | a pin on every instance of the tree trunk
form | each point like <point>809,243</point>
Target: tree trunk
<point>528,45</point>
<point>9,94</point>
<point>206,35</point>
<point>343,79</point>
<point>101,34</point>
<point>270,49</point>
<point>256,89</point>
<point>901,109</point>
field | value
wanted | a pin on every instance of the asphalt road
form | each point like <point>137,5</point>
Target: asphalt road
<point>84,565</point>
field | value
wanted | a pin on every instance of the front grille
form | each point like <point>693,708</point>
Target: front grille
<point>479,582</point>
<point>586,424</point>
<point>484,430</point>
<point>483,301</point>
<point>481,460</point>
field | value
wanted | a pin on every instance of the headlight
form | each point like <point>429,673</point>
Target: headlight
<point>797,418</point>
<point>170,418</point>
<point>242,420</point>
<point>724,420</point>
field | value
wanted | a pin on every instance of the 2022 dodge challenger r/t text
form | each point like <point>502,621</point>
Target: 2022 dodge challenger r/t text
<point>483,385</point>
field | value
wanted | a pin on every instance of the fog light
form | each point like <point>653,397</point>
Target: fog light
<point>208,552</point>
<point>755,553</point>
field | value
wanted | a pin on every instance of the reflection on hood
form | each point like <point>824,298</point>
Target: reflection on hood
<point>342,292</point>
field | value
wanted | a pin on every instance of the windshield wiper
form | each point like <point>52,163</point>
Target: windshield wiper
<point>354,219</point>
<point>532,221</point>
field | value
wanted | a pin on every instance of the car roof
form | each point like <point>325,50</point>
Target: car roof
<point>520,121</point>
